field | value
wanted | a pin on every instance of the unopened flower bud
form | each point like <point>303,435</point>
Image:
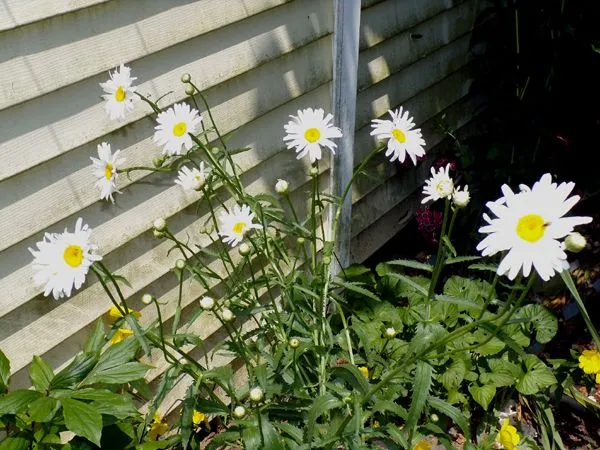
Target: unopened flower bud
<point>347,399</point>
<point>294,343</point>
<point>207,303</point>
<point>244,249</point>
<point>461,198</point>
<point>185,77</point>
<point>575,242</point>
<point>390,332</point>
<point>160,224</point>
<point>281,187</point>
<point>313,172</point>
<point>256,394</point>
<point>327,260</point>
<point>227,315</point>
<point>146,299</point>
<point>158,161</point>
<point>434,417</point>
<point>300,241</point>
<point>158,234</point>
<point>190,90</point>
<point>180,264</point>
<point>239,412</point>
<point>215,150</point>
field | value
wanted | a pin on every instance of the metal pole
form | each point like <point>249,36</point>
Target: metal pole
<point>345,70</point>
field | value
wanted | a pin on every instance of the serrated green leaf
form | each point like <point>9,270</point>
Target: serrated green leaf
<point>117,375</point>
<point>461,259</point>
<point>319,407</point>
<point>356,288</point>
<point>292,431</point>
<point>422,384</point>
<point>483,394</point>
<point>536,377</point>
<point>82,419</point>
<point>17,401</point>
<point>43,409</point>
<point>484,267</point>
<point>40,373</point>
<point>453,413</point>
<point>411,264</point>
<point>353,376</point>
<point>414,284</point>
<point>269,434</point>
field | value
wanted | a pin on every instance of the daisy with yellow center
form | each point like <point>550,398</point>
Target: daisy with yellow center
<point>114,314</point>
<point>508,436</point>
<point>528,225</point>
<point>440,185</point>
<point>157,428</point>
<point>309,131</point>
<point>235,224</point>
<point>191,179</point>
<point>105,170</point>
<point>174,128</point>
<point>120,94</point>
<point>120,335</point>
<point>62,260</point>
<point>403,138</point>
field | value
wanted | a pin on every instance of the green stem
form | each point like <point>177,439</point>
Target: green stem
<point>114,281</point>
<point>439,259</point>
<point>347,333</point>
<point>99,274</point>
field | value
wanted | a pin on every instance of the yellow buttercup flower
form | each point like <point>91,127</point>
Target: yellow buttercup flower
<point>114,314</point>
<point>198,418</point>
<point>589,361</point>
<point>422,445</point>
<point>120,335</point>
<point>508,436</point>
<point>365,371</point>
<point>157,428</point>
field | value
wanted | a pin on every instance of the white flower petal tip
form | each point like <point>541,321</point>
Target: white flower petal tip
<point>529,225</point>
<point>62,260</point>
<point>235,224</point>
<point>105,170</point>
<point>309,131</point>
<point>192,179</point>
<point>120,93</point>
<point>439,185</point>
<point>403,138</point>
<point>174,128</point>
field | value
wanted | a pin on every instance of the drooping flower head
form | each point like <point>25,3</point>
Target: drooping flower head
<point>310,130</point>
<point>191,179</point>
<point>105,170</point>
<point>174,126</point>
<point>402,137</point>
<point>62,260</point>
<point>120,94</point>
<point>114,314</point>
<point>235,224</point>
<point>508,436</point>
<point>439,185</point>
<point>198,418</point>
<point>157,428</point>
<point>528,225</point>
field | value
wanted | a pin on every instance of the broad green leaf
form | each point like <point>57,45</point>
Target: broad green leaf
<point>17,401</point>
<point>138,333</point>
<point>483,394</point>
<point>474,290</point>
<point>123,373</point>
<point>95,341</point>
<point>4,372</point>
<point>107,402</point>
<point>498,379</point>
<point>269,434</point>
<point>464,304</point>
<point>504,366</point>
<point>452,377</point>
<point>40,373</point>
<point>320,406</point>
<point>410,285</point>
<point>421,386</point>
<point>543,320</point>
<point>43,409</point>
<point>76,371</point>
<point>15,443</point>
<point>251,438</point>
<point>211,407</point>
<point>82,419</point>
<point>536,377</point>
<point>453,413</point>
<point>117,354</point>
<point>411,264</point>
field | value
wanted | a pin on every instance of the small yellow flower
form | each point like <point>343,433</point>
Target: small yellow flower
<point>120,335</point>
<point>198,418</point>
<point>114,314</point>
<point>508,436</point>
<point>376,424</point>
<point>365,371</point>
<point>157,428</point>
<point>422,445</point>
<point>589,361</point>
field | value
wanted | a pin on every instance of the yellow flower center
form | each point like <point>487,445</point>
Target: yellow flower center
<point>108,168</point>
<point>179,129</point>
<point>399,135</point>
<point>73,255</point>
<point>531,227</point>
<point>444,188</point>
<point>312,135</point>
<point>120,94</point>
<point>239,227</point>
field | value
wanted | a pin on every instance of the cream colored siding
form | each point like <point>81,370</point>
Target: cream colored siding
<point>257,61</point>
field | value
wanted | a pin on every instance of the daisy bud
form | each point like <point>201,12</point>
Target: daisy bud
<point>190,90</point>
<point>215,150</point>
<point>300,241</point>
<point>294,343</point>
<point>158,234</point>
<point>256,394</point>
<point>207,303</point>
<point>434,418</point>
<point>313,172</point>
<point>461,198</point>
<point>227,315</point>
<point>244,249</point>
<point>327,260</point>
<point>180,264</point>
<point>390,332</point>
<point>281,187</point>
<point>160,224</point>
<point>185,77</point>
<point>239,412</point>
<point>575,242</point>
<point>146,299</point>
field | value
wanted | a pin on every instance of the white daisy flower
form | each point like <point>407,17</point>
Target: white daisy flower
<point>174,126</point>
<point>308,131</point>
<point>529,225</point>
<point>191,179</point>
<point>105,170</point>
<point>440,185</point>
<point>234,225</point>
<point>120,94</point>
<point>402,138</point>
<point>62,260</point>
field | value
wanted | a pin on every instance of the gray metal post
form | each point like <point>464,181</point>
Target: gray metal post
<point>345,65</point>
